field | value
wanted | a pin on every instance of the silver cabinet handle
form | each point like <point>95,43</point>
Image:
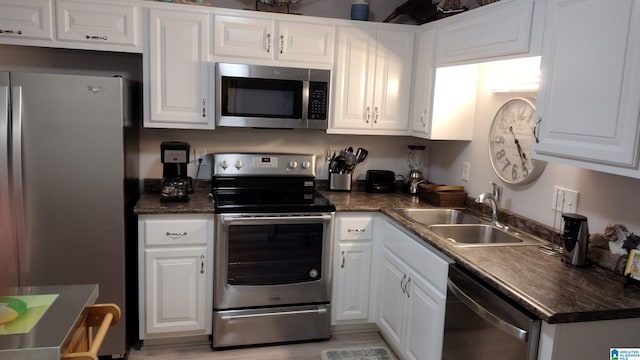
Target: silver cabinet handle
<point>536,129</point>
<point>359,231</point>
<point>269,43</point>
<point>14,32</point>
<point>204,107</point>
<point>368,114</point>
<point>404,276</point>
<point>424,113</point>
<point>97,37</point>
<point>201,264</point>
<point>375,118</point>
<point>281,43</point>
<point>342,265</point>
<point>406,287</point>
<point>176,234</point>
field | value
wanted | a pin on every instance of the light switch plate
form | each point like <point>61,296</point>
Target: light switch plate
<point>564,200</point>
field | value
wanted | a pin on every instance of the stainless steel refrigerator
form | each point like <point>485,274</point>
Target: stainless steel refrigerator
<point>68,184</point>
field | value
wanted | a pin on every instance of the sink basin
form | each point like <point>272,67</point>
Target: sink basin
<point>439,216</point>
<point>482,235</point>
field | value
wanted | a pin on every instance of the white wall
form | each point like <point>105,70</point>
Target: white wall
<point>386,153</point>
<point>604,199</point>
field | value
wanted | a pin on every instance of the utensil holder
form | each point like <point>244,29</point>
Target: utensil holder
<point>339,182</point>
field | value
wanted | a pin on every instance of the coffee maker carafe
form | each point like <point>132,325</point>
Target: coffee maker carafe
<point>575,239</point>
<point>415,159</point>
<point>176,185</point>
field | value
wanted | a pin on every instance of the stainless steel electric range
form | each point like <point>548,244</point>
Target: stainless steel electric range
<point>273,239</point>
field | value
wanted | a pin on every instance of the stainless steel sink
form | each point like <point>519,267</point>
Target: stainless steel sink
<point>439,216</point>
<point>465,235</point>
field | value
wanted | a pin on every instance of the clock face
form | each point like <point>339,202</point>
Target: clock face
<point>510,142</point>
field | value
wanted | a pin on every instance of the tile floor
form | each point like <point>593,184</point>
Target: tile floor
<point>300,351</point>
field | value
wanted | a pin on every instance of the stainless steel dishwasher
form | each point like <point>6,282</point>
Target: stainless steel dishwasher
<point>481,324</point>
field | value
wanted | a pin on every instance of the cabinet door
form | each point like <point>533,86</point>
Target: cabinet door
<point>352,270</point>
<point>243,36</point>
<point>392,90</point>
<point>425,320</point>
<point>355,71</point>
<point>392,309</point>
<point>178,70</point>
<point>424,80</point>
<point>305,42</point>
<point>26,19</point>
<point>107,23</point>
<point>500,29</point>
<point>175,290</point>
<point>589,98</point>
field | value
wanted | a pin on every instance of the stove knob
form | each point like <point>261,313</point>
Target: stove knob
<point>293,164</point>
<point>224,164</point>
<point>306,164</point>
<point>239,164</point>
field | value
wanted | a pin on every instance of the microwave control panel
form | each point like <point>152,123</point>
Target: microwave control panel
<point>318,94</point>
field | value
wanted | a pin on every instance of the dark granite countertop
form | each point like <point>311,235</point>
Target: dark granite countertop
<point>542,284</point>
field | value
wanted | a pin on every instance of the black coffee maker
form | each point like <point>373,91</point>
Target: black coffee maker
<point>176,185</point>
<point>576,239</point>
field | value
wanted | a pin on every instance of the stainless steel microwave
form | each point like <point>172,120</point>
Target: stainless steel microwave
<point>271,97</point>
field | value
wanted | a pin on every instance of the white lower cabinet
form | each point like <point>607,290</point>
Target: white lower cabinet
<point>412,295</point>
<point>353,253</point>
<point>175,275</point>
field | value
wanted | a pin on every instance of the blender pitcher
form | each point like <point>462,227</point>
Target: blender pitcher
<point>415,159</point>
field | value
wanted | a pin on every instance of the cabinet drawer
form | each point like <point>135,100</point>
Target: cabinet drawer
<point>26,19</point>
<point>175,231</point>
<point>96,23</point>
<point>354,228</point>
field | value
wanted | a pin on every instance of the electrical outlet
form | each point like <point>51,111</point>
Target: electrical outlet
<point>564,200</point>
<point>466,168</point>
<point>201,153</point>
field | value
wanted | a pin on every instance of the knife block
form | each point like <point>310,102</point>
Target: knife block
<point>339,182</point>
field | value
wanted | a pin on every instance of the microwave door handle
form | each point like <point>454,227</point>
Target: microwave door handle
<point>487,315</point>
<point>305,100</point>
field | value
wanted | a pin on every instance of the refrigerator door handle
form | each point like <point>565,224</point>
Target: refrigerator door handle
<point>16,171</point>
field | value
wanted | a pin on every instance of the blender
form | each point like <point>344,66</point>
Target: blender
<point>415,159</point>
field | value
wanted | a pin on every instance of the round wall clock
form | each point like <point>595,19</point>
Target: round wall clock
<point>510,142</point>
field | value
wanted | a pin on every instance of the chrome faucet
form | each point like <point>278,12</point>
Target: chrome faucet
<point>494,205</point>
<point>497,192</point>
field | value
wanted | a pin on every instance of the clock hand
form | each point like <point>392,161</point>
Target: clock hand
<point>523,157</point>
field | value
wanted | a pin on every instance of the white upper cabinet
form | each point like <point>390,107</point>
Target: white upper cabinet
<point>499,29</point>
<point>178,70</point>
<point>262,38</point>
<point>79,24</point>
<point>423,83</point>
<point>25,19</point>
<point>589,102</point>
<point>372,82</point>
<point>97,22</point>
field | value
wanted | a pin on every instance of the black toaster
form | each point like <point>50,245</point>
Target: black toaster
<point>380,181</point>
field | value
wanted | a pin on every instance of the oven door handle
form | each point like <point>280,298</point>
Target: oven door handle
<point>276,313</point>
<point>487,315</point>
<point>261,219</point>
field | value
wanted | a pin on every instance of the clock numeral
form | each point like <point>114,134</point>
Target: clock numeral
<point>525,171</point>
<point>499,139</point>
<point>514,172</point>
<point>500,154</point>
<point>506,165</point>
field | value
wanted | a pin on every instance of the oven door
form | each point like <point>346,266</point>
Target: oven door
<point>272,260</point>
